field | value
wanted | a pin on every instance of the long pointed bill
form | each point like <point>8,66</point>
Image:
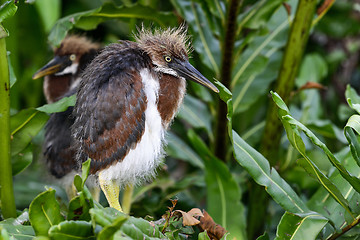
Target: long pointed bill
<point>187,71</point>
<point>55,65</point>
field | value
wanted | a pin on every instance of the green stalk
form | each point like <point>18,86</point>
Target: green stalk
<point>298,37</point>
<point>291,61</point>
<point>6,182</point>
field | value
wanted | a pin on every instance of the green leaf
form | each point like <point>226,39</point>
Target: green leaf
<point>259,168</point>
<point>79,208</point>
<point>291,123</point>
<point>265,236</point>
<point>353,124</point>
<point>71,230</point>
<point>352,98</point>
<point>204,42</point>
<point>300,226</point>
<point>226,96</point>
<point>323,203</point>
<point>105,216</point>
<point>138,228</point>
<point>108,231</point>
<point>78,183</point>
<point>203,236</point>
<point>44,212</point>
<point>177,148</point>
<point>21,160</point>
<point>49,11</point>
<point>313,69</point>
<point>196,113</point>
<point>90,19</point>
<point>265,10</point>
<point>59,106</point>
<point>223,193</point>
<point>16,230</point>
<point>24,126</point>
<point>4,234</point>
<point>8,9</point>
<point>313,171</point>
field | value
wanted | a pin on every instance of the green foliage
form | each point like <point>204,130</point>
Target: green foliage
<point>320,206</point>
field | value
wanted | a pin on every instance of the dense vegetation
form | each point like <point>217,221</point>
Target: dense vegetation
<point>278,64</point>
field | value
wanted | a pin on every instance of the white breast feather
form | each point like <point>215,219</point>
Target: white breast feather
<point>141,162</point>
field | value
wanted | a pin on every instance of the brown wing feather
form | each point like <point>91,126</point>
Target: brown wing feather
<point>109,112</point>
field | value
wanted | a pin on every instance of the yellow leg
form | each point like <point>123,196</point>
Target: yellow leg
<point>126,200</point>
<point>111,191</point>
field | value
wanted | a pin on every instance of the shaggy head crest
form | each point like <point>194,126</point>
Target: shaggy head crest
<point>74,44</point>
<point>160,43</point>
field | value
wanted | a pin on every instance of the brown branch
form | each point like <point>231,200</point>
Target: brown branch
<point>226,69</point>
<point>345,229</point>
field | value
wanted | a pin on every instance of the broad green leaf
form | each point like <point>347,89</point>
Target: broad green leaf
<point>323,203</point>
<point>326,129</point>
<point>265,9</point>
<point>138,228</point>
<point>44,212</point>
<point>21,160</point>
<point>291,123</point>
<point>16,230</point>
<point>177,148</point>
<point>263,46</point>
<point>353,124</point>
<point>24,126</point>
<point>259,168</point>
<point>108,231</point>
<point>313,171</point>
<point>59,106</point>
<point>226,96</point>
<point>313,69</point>
<point>300,226</point>
<point>79,208</point>
<point>8,9</point>
<point>71,230</point>
<point>352,98</point>
<point>196,113</point>
<point>265,236</point>
<point>105,216</point>
<point>4,234</point>
<point>296,141</point>
<point>203,236</point>
<point>223,193</point>
<point>204,42</point>
<point>49,11</point>
<point>89,20</point>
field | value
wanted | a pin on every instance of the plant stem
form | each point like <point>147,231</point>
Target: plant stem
<point>345,229</point>
<point>291,61</point>
<point>6,181</point>
<point>226,69</point>
<point>269,148</point>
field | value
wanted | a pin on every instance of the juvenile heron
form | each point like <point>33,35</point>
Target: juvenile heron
<point>127,98</point>
<point>61,78</point>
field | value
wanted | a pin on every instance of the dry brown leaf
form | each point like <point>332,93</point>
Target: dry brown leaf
<point>311,85</point>
<point>214,231</point>
<point>189,217</point>
<point>325,6</point>
<point>288,8</point>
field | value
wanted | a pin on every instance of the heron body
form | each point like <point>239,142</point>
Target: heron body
<point>61,78</point>
<point>127,98</point>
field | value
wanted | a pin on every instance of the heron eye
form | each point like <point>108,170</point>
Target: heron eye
<point>167,58</point>
<point>72,57</point>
